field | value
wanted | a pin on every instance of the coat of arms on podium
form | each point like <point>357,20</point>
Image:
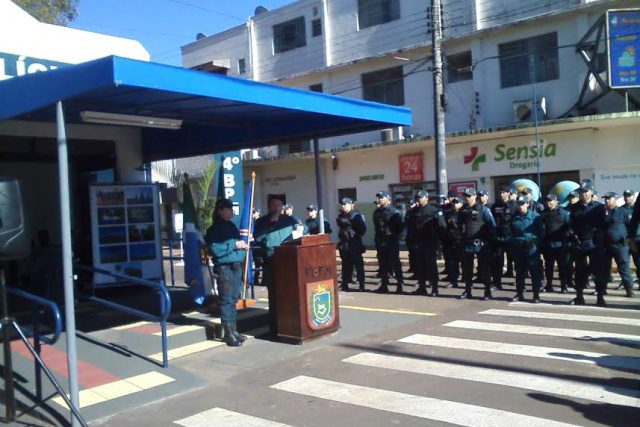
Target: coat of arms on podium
<point>320,304</point>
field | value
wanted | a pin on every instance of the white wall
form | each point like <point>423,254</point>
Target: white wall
<point>230,46</point>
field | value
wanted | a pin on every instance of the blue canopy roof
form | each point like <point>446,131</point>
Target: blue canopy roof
<point>219,113</point>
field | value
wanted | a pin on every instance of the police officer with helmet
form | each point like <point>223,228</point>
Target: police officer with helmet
<point>425,224</point>
<point>629,204</point>
<point>389,226</point>
<point>351,228</point>
<point>478,229</point>
<point>452,241</point>
<point>527,232</point>
<point>616,245</point>
<point>555,245</point>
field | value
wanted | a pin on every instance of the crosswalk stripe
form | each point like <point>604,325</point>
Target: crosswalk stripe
<point>563,316</point>
<point>540,383</point>
<point>600,359</point>
<point>187,350</point>
<point>552,332</point>
<point>632,309</point>
<point>218,417</point>
<point>462,414</point>
<point>201,323</point>
<point>588,297</point>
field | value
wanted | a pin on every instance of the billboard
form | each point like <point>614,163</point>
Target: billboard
<point>623,43</point>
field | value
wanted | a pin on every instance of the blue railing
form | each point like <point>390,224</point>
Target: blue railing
<point>38,303</point>
<point>165,302</point>
<point>171,258</point>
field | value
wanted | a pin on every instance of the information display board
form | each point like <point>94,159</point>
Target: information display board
<point>125,230</point>
<point>623,36</point>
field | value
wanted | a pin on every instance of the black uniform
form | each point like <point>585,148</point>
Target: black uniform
<point>313,226</point>
<point>351,229</point>
<point>616,230</point>
<point>412,243</point>
<point>502,212</point>
<point>555,246</point>
<point>635,255</point>
<point>478,229</point>
<point>425,225</point>
<point>451,241</point>
<point>389,226</point>
<point>586,221</point>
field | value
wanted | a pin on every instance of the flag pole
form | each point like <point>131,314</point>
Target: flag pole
<point>246,258</point>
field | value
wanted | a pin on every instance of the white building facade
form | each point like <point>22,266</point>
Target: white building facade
<point>495,51</point>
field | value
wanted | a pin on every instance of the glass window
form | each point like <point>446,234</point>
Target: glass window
<point>376,12</point>
<point>242,66</point>
<point>517,57</point>
<point>316,88</point>
<point>386,86</point>
<point>316,28</point>
<point>459,67</point>
<point>289,35</point>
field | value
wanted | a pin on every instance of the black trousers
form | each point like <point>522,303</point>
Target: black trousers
<point>452,260</point>
<point>427,263</point>
<point>527,263</point>
<point>589,261</point>
<point>560,256</point>
<point>484,268</point>
<point>635,256</point>
<point>352,259</point>
<point>268,280</point>
<point>389,257</point>
<point>498,250</point>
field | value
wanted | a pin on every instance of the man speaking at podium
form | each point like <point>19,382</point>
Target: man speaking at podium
<point>270,231</point>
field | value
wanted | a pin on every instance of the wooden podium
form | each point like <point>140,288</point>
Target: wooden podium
<point>305,276</point>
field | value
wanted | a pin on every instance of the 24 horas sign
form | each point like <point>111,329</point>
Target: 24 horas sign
<point>519,157</point>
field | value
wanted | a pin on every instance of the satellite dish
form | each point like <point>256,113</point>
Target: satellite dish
<point>259,10</point>
<point>522,110</point>
<point>201,36</point>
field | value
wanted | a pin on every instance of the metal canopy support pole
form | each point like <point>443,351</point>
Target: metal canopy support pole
<point>316,158</point>
<point>67,267</point>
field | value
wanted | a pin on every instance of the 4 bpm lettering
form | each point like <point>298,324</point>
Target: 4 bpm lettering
<point>525,156</point>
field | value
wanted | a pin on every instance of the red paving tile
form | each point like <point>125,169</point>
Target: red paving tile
<point>148,329</point>
<point>56,360</point>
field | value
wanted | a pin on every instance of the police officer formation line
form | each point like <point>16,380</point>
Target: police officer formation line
<point>582,239</point>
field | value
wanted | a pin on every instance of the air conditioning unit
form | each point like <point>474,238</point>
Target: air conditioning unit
<point>250,154</point>
<point>392,134</point>
<point>523,110</point>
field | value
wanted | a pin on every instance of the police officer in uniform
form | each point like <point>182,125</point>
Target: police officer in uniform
<point>411,240</point>
<point>534,205</point>
<point>228,251</point>
<point>616,230</point>
<point>502,210</point>
<point>452,240</point>
<point>586,219</point>
<point>483,195</point>
<point>313,222</point>
<point>554,246</point>
<point>527,232</point>
<point>351,228</point>
<point>389,226</point>
<point>478,229</point>
<point>425,224</point>
<point>513,195</point>
<point>629,199</point>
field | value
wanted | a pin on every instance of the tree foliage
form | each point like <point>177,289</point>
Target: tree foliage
<point>59,12</point>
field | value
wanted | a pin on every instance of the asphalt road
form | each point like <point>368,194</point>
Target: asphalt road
<point>420,361</point>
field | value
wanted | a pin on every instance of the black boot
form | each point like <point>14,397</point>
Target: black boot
<point>399,289</point>
<point>518,298</point>
<point>361,288</point>
<point>536,296</point>
<point>239,336</point>
<point>229,337</point>
<point>487,296</point>
<point>601,302</point>
<point>434,291</point>
<point>579,299</point>
<point>422,290</point>
<point>383,289</point>
<point>630,293</point>
<point>467,294</point>
<point>563,288</point>
<point>344,287</point>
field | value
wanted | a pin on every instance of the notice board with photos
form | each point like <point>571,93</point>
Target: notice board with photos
<point>125,230</point>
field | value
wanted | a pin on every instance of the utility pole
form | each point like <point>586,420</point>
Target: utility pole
<point>532,75</point>
<point>438,98</point>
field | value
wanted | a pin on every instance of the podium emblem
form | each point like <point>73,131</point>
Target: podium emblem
<point>320,310</point>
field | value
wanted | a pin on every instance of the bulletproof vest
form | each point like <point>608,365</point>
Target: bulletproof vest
<point>427,222</point>
<point>413,221</point>
<point>580,221</point>
<point>381,219</point>
<point>473,221</point>
<point>554,223</point>
<point>502,212</point>
<point>453,227</point>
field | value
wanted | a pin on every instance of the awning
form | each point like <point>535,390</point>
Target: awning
<point>218,112</point>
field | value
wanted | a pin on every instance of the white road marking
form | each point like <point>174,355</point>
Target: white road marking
<point>552,332</point>
<point>599,359</point>
<point>563,316</point>
<point>502,377</point>
<point>218,417</point>
<point>462,414</point>
<point>632,309</point>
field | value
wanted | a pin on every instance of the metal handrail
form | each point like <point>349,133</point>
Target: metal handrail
<point>165,302</point>
<point>39,301</point>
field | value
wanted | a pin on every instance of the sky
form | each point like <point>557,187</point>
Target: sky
<point>163,26</point>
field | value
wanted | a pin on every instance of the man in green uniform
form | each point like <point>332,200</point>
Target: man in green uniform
<point>228,251</point>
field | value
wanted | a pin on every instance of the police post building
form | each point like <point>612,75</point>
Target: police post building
<point>495,57</point>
